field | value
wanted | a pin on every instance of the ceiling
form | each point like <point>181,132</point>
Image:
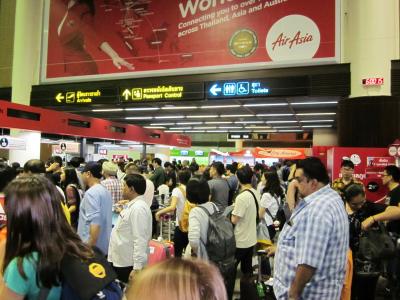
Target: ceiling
<point>260,115</point>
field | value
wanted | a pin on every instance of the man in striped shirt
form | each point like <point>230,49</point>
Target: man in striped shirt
<point>311,253</point>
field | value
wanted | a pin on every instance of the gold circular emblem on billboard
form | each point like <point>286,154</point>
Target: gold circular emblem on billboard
<point>97,270</point>
<point>243,43</point>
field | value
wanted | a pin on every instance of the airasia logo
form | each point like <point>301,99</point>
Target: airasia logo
<point>294,37</point>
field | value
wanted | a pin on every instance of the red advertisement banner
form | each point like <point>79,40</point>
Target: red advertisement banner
<point>100,39</point>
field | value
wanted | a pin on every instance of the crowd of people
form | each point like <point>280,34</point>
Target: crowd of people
<point>54,210</point>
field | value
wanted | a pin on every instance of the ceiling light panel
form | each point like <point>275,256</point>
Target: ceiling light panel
<point>169,117</point>
<point>317,114</point>
<point>154,127</point>
<point>138,118</point>
<point>279,122</point>
<point>178,107</point>
<point>218,122</point>
<point>162,124</point>
<point>237,116</point>
<point>141,108</point>
<point>180,128</point>
<point>317,126</point>
<point>249,122</point>
<point>201,116</point>
<point>264,104</point>
<point>274,115</point>
<point>107,110</point>
<point>316,121</point>
<point>314,103</point>
<point>189,123</point>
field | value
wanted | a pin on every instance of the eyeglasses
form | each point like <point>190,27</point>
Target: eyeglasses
<point>385,175</point>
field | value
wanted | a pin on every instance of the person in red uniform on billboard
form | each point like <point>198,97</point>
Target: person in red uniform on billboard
<point>75,31</point>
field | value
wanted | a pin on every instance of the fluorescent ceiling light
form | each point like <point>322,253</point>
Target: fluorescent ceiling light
<point>241,130</point>
<point>236,116</point>
<point>314,103</point>
<point>141,108</point>
<point>154,127</point>
<point>282,127</point>
<point>108,109</point>
<point>189,123</point>
<point>194,131</point>
<point>274,115</point>
<point>294,130</point>
<point>138,118</point>
<point>178,107</point>
<point>217,131</point>
<point>218,122</point>
<point>179,128</point>
<point>317,114</point>
<point>205,127</point>
<point>169,117</point>
<point>316,126</point>
<point>172,131</point>
<point>230,127</point>
<point>264,104</point>
<point>220,106</point>
<point>162,124</point>
<point>316,121</point>
<point>277,122</point>
<point>249,122</point>
<point>258,127</point>
<point>201,116</point>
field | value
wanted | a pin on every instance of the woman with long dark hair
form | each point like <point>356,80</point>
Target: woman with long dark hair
<point>38,237</point>
<point>271,199</point>
<point>73,193</point>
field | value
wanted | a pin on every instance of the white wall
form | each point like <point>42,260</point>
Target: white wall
<point>370,40</point>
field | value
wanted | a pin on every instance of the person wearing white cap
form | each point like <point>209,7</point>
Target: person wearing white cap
<point>111,182</point>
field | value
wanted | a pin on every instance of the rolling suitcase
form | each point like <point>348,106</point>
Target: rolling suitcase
<point>160,249</point>
<point>253,287</point>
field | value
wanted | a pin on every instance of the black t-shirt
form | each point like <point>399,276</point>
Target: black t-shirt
<point>393,198</point>
<point>369,209</point>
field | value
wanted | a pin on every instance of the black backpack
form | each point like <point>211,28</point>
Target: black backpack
<point>221,244</point>
<point>280,214</point>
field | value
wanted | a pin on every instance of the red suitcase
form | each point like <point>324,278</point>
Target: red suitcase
<point>160,249</point>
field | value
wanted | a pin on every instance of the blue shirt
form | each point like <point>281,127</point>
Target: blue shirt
<point>96,209</point>
<point>316,235</point>
<point>27,287</point>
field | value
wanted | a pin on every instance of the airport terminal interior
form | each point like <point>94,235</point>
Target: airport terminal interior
<point>199,149</point>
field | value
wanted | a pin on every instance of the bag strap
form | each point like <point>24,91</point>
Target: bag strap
<point>43,293</point>
<point>256,202</point>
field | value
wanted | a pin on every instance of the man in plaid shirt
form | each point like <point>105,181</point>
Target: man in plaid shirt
<point>311,253</point>
<point>111,182</point>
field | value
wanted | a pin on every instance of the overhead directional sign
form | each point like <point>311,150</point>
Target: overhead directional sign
<point>258,87</point>
<point>70,96</point>
<point>162,92</point>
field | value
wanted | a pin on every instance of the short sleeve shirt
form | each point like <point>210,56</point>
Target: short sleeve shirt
<point>245,229</point>
<point>27,287</point>
<point>393,199</point>
<point>96,209</point>
<point>176,192</point>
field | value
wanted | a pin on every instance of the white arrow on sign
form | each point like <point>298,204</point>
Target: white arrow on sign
<point>60,97</point>
<point>215,90</point>
<point>127,93</point>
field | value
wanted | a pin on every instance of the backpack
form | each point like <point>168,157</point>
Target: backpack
<point>280,214</point>
<point>89,280</point>
<point>221,244</point>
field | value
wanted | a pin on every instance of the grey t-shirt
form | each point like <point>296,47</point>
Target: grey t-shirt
<point>219,192</point>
